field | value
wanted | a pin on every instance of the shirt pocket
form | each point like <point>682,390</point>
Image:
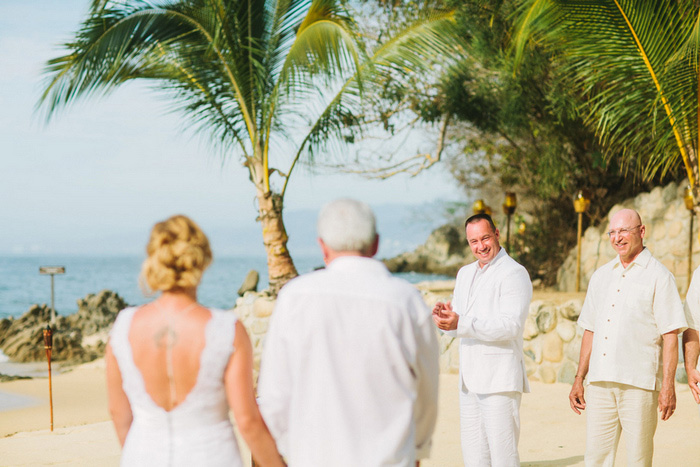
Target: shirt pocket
<point>639,297</point>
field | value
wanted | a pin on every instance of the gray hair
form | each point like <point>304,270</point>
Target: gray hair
<point>347,225</point>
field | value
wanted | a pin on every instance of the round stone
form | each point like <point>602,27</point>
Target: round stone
<point>530,331</point>
<point>546,318</point>
<point>566,330</point>
<point>567,372</point>
<point>552,347</point>
<point>547,374</point>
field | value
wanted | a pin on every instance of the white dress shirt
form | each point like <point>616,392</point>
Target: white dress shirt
<point>349,372</point>
<point>628,310</point>
<point>492,303</point>
<point>692,304</point>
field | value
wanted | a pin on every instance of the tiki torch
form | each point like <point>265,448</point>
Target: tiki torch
<point>48,345</point>
<point>508,209</point>
<point>582,200</point>
<point>479,207</point>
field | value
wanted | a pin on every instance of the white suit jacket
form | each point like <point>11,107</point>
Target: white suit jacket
<point>491,321</point>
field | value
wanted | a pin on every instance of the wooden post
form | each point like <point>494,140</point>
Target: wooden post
<point>509,206</point>
<point>52,270</point>
<point>48,346</point>
<point>582,199</point>
<point>690,206</point>
<point>690,250</point>
<point>578,252</point>
<point>508,234</point>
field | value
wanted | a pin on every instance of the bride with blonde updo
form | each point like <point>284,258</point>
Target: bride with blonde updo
<point>178,254</point>
<point>175,367</point>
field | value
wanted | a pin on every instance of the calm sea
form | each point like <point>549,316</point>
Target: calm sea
<point>21,285</point>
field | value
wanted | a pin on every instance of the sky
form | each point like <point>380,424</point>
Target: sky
<point>96,177</point>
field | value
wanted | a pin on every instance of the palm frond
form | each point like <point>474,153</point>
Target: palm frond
<point>618,53</point>
<point>181,46</point>
<point>324,46</point>
<point>414,49</point>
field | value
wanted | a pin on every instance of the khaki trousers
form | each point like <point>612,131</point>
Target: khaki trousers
<point>612,408</point>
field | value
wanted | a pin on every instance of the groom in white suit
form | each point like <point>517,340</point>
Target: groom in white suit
<point>491,300</point>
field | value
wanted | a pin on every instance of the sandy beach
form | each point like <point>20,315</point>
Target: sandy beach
<point>551,434</point>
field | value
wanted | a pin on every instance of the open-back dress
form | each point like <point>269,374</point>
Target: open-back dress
<point>198,431</point>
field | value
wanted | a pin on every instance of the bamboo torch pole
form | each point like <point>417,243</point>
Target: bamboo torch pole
<point>582,200</point>
<point>48,345</point>
<point>690,206</point>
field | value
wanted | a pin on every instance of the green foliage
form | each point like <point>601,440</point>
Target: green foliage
<point>635,64</point>
<point>525,129</point>
<point>271,81</point>
<point>633,68</point>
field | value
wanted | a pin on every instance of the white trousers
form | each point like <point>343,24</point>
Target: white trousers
<point>490,428</point>
<point>612,408</point>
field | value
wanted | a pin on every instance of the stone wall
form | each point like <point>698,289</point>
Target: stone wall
<point>254,310</point>
<point>552,340</point>
<point>667,236</point>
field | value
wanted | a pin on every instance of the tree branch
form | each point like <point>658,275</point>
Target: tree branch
<point>411,165</point>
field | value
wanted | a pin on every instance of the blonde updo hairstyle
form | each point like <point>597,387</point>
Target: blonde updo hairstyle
<point>178,253</point>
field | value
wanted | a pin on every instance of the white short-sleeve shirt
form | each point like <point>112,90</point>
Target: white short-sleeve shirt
<point>692,303</point>
<point>628,310</point>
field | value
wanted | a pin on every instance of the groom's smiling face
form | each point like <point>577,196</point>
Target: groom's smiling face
<point>483,241</point>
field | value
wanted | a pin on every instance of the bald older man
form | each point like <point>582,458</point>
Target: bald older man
<point>631,318</point>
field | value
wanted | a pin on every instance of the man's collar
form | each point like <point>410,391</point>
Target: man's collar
<point>501,254</point>
<point>342,263</point>
<point>642,259</point>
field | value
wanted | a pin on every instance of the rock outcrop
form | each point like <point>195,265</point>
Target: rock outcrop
<point>96,312</point>
<point>444,252</point>
<point>77,338</point>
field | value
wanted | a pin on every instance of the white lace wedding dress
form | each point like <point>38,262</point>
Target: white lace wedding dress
<point>197,432</point>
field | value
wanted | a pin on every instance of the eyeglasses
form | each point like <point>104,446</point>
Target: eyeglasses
<point>622,232</point>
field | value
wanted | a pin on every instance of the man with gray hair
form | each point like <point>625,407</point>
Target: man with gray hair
<point>349,372</point>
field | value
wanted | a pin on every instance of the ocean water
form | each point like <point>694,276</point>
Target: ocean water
<point>21,285</point>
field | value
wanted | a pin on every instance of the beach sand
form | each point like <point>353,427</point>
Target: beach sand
<point>551,434</point>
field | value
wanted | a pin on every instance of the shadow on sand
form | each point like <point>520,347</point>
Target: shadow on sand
<point>556,462</point>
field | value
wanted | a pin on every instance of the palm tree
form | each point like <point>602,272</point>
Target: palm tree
<point>258,76</point>
<point>636,63</point>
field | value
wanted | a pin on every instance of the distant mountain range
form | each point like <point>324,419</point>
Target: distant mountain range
<point>401,228</point>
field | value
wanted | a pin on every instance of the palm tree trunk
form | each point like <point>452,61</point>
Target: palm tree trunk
<point>280,267</point>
